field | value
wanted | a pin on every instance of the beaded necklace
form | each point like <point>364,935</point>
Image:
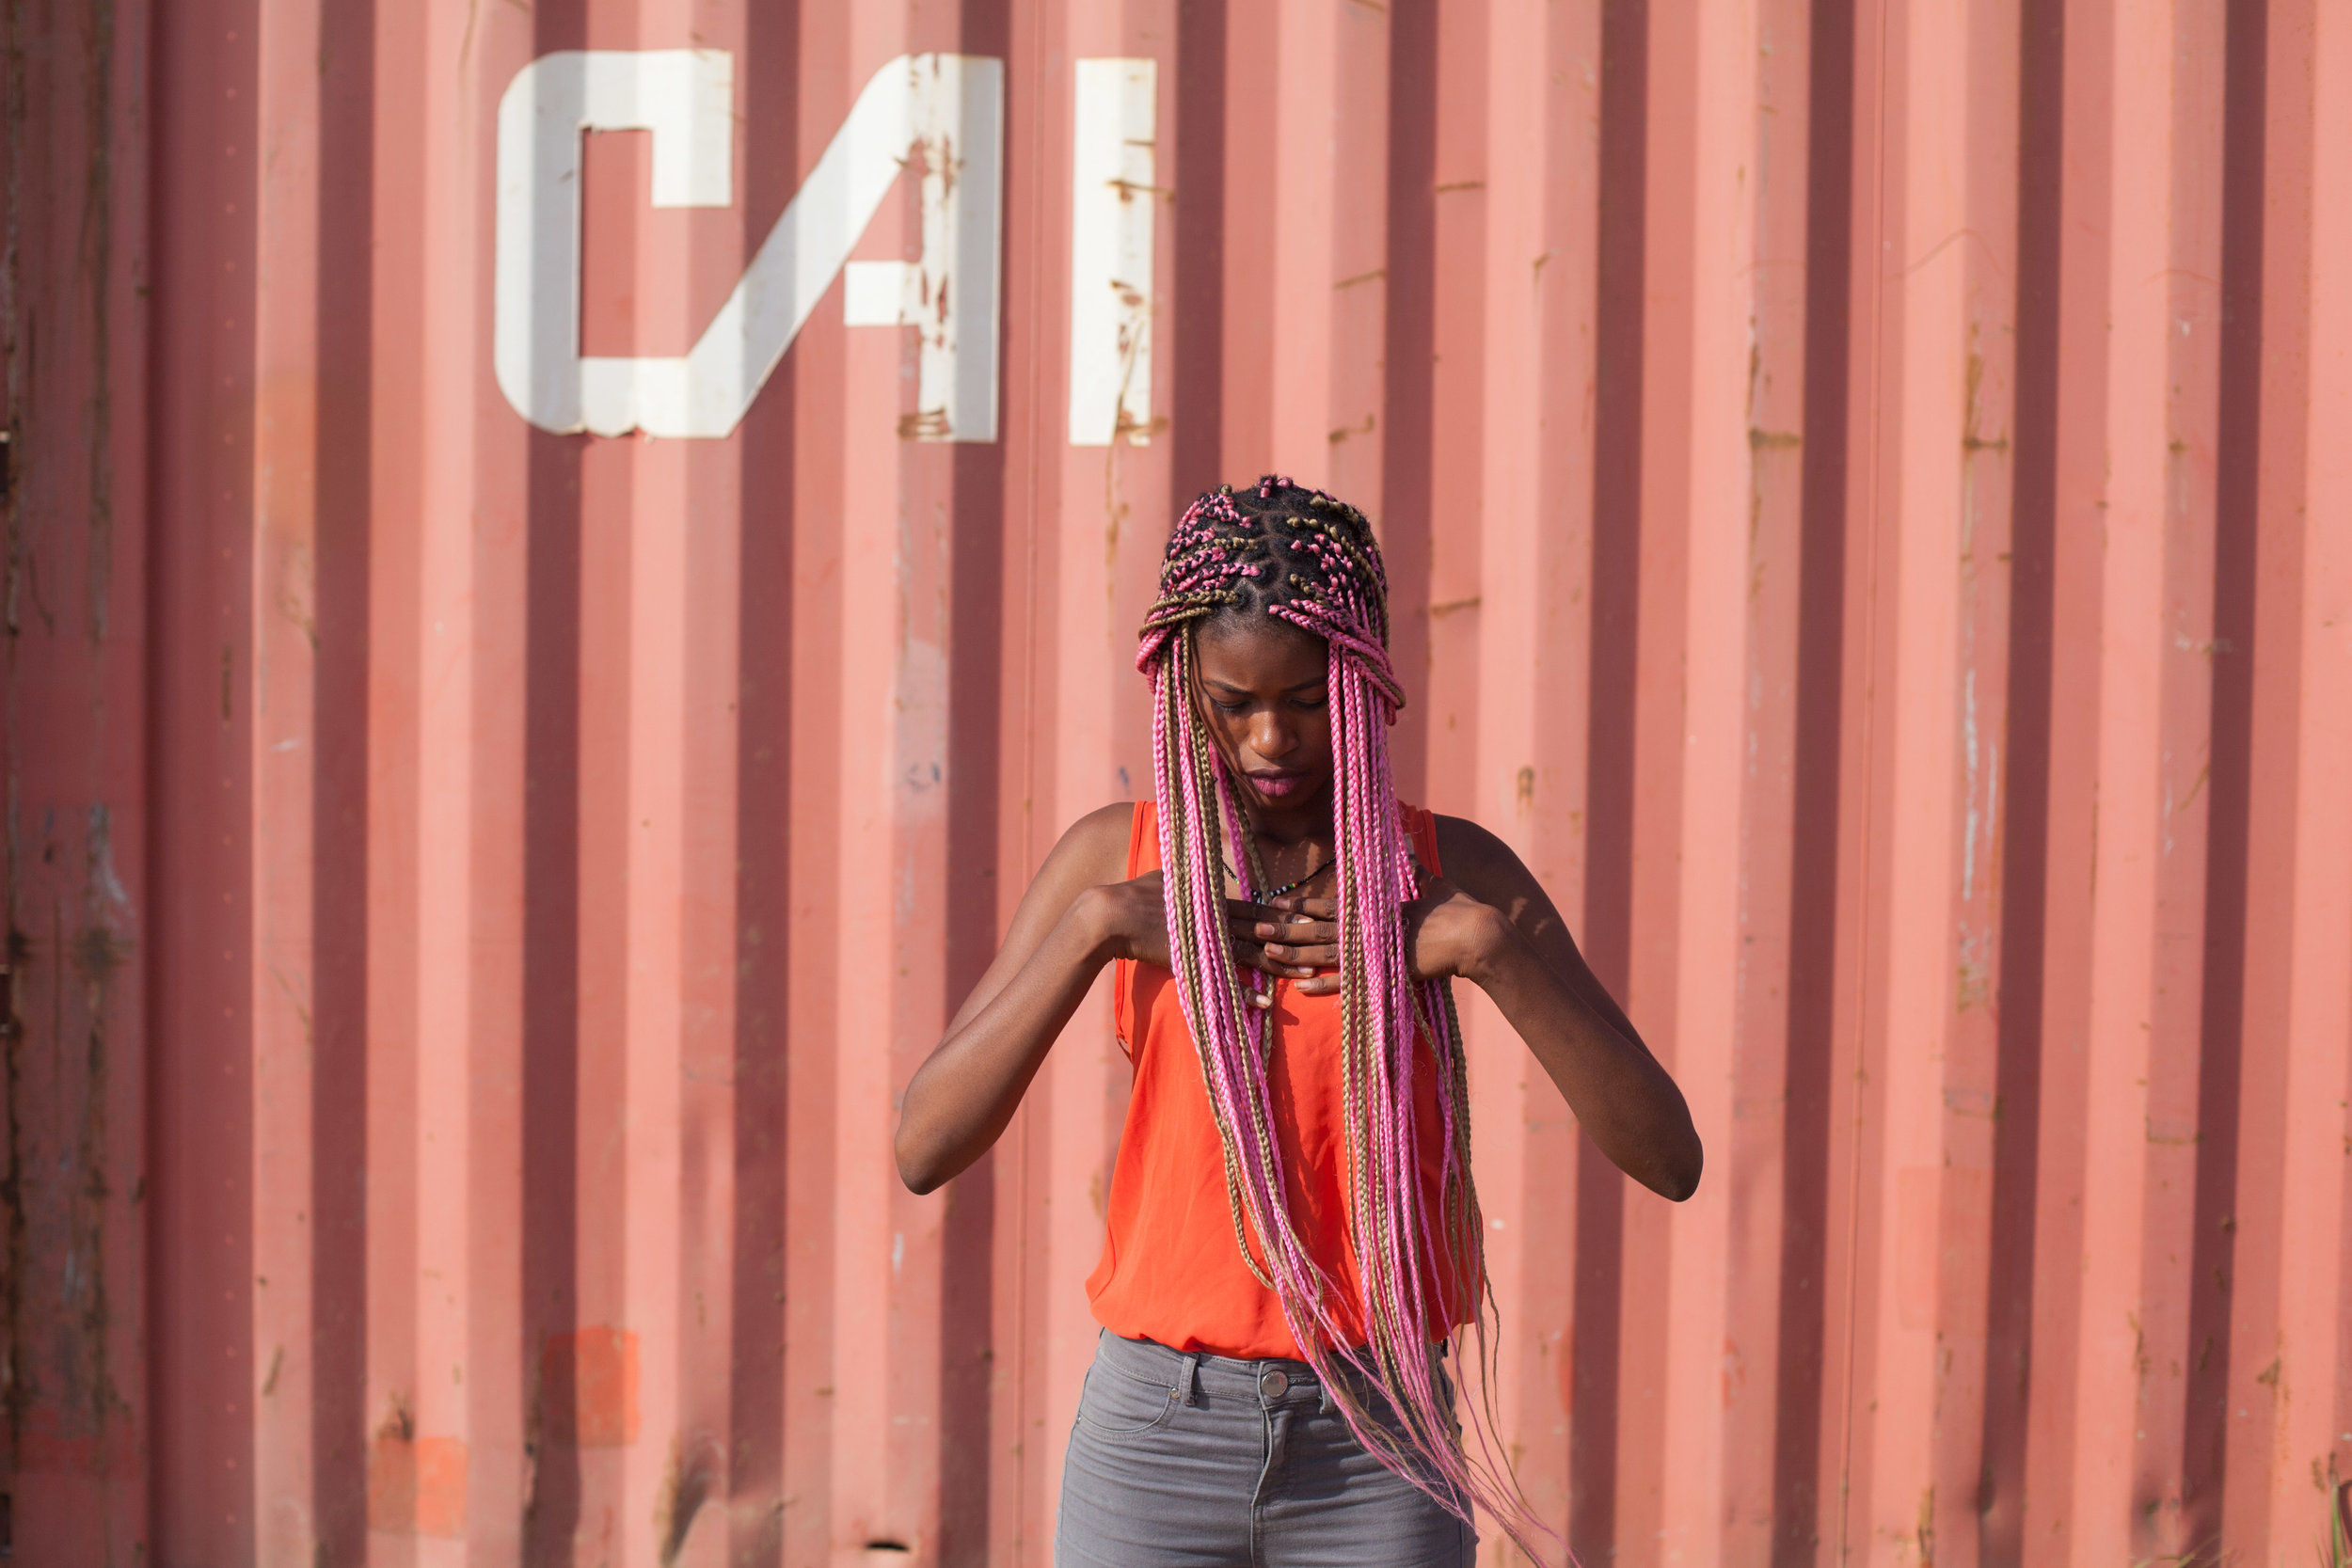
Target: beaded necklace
<point>1293,887</point>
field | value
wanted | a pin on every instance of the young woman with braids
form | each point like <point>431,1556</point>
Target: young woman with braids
<point>1295,1242</point>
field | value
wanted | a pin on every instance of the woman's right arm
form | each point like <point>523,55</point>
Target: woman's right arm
<point>1079,913</point>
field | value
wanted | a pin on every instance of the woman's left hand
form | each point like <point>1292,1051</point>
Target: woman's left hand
<point>1447,932</point>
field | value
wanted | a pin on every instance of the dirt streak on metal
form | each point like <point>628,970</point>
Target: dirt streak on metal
<point>57,1375</point>
<point>97,263</point>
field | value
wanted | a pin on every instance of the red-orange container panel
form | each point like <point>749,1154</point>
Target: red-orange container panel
<point>568,561</point>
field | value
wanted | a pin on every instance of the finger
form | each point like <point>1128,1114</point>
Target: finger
<point>1321,984</point>
<point>1251,952</point>
<point>1299,933</point>
<point>1281,925</point>
<point>1324,956</point>
<point>1267,964</point>
<point>1318,909</point>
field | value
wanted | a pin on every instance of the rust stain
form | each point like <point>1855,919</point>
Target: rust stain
<point>1139,431</point>
<point>102,950</point>
<point>686,1485</point>
<point>1969,441</point>
<point>392,1470</point>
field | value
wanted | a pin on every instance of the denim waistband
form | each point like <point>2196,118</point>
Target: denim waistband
<point>1271,1380</point>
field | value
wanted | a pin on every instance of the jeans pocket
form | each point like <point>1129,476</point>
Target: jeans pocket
<point>1115,1405</point>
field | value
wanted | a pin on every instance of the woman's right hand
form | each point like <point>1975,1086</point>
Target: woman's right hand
<point>1132,917</point>
<point>1133,920</point>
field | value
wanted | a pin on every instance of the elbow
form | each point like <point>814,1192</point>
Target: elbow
<point>1679,1180</point>
<point>917,1167</point>
<point>922,1177</point>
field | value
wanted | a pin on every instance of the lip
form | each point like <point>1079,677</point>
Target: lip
<point>1278,784</point>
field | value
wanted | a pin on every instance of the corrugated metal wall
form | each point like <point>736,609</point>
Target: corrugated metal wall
<point>1868,493</point>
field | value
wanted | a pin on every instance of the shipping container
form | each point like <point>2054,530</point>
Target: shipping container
<point>566,560</point>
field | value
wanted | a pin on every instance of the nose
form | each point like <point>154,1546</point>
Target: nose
<point>1270,737</point>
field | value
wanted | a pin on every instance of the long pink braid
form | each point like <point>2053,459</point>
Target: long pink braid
<point>1312,560</point>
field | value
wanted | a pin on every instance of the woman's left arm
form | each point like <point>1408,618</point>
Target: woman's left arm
<point>1490,922</point>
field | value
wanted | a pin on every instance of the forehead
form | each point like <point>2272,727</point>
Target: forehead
<point>1258,653</point>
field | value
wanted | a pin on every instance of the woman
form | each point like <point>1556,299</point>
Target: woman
<point>1294,1240</point>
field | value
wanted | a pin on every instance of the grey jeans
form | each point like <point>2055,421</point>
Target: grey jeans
<point>1203,1462</point>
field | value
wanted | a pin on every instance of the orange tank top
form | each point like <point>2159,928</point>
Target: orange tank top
<point>1171,1271</point>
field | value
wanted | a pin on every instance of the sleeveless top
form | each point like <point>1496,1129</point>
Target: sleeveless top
<point>1171,1270</point>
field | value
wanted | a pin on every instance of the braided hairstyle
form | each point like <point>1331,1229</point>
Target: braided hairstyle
<point>1310,562</point>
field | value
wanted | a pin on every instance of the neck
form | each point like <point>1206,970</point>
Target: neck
<point>1288,827</point>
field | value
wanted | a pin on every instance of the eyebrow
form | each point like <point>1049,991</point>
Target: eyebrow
<point>1302,686</point>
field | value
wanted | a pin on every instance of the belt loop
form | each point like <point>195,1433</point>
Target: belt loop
<point>1189,1380</point>
<point>1324,1386</point>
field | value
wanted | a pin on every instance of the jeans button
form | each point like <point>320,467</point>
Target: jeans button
<point>1273,1385</point>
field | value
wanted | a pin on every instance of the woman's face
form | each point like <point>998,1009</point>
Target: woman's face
<point>1262,692</point>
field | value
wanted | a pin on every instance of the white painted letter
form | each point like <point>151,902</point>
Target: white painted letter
<point>1111,199</point>
<point>948,106</point>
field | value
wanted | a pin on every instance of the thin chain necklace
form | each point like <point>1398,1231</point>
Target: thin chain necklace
<point>1293,887</point>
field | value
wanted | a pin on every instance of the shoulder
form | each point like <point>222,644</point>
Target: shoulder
<point>1095,846</point>
<point>1091,852</point>
<point>1476,861</point>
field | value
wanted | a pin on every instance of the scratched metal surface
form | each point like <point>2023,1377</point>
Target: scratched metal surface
<point>1866,492</point>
